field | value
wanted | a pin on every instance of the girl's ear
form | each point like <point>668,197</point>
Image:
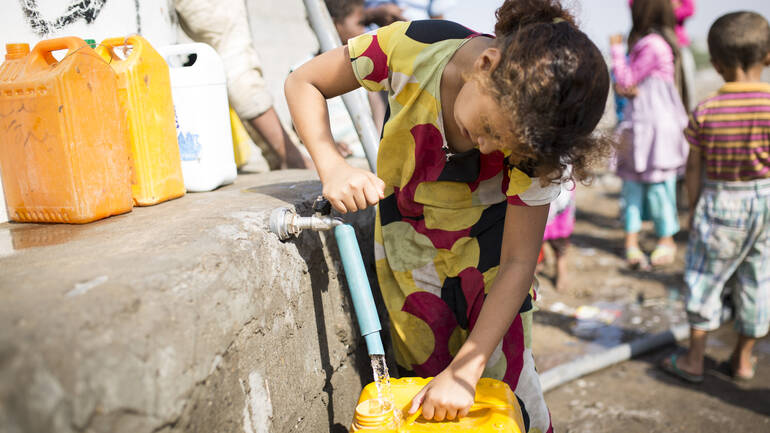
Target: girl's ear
<point>767,59</point>
<point>488,60</point>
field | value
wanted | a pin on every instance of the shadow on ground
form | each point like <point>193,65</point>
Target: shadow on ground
<point>717,382</point>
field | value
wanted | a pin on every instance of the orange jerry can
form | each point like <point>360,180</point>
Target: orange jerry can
<point>64,147</point>
<point>144,91</point>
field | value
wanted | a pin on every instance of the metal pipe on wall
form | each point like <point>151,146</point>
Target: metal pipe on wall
<point>328,39</point>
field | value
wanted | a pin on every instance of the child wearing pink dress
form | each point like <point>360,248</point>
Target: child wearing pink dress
<point>653,150</point>
<point>558,229</point>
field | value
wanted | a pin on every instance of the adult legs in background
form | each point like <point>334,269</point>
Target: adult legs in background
<point>270,128</point>
<point>223,24</point>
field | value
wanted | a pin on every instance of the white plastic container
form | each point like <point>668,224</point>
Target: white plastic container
<point>202,116</point>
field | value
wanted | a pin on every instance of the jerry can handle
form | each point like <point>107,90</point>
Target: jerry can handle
<point>201,50</point>
<point>43,49</point>
<point>105,48</point>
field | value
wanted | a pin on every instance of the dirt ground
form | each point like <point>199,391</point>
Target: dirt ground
<point>605,304</point>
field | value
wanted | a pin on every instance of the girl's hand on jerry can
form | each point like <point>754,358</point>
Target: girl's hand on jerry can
<point>352,189</point>
<point>446,397</point>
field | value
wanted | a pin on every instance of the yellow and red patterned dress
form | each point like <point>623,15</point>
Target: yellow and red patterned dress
<point>439,229</point>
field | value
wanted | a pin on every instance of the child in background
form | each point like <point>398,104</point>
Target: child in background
<point>729,135</point>
<point>348,17</point>
<point>479,133</point>
<point>683,9</point>
<point>558,229</point>
<point>653,150</point>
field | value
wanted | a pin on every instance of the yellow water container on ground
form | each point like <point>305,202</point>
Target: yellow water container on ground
<point>144,90</point>
<point>63,144</point>
<point>241,140</point>
<point>496,410</point>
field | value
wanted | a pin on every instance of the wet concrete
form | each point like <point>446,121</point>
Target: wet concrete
<point>185,316</point>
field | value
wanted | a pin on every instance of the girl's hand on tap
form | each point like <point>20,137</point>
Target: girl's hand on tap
<point>351,189</point>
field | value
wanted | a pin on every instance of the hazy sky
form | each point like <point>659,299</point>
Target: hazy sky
<point>601,18</point>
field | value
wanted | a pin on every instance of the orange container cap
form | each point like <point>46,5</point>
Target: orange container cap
<point>16,51</point>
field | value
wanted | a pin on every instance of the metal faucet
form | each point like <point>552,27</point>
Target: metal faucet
<point>285,222</point>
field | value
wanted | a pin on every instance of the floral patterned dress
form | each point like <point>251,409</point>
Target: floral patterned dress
<point>439,229</point>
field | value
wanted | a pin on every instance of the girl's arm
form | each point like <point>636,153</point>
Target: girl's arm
<point>307,88</point>
<point>650,53</point>
<point>451,393</point>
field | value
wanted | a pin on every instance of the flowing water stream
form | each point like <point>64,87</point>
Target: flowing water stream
<point>384,392</point>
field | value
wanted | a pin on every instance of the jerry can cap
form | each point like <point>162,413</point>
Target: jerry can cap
<point>374,414</point>
<point>16,51</point>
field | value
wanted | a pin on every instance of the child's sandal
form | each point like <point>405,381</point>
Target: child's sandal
<point>635,258</point>
<point>663,255</point>
<point>669,366</point>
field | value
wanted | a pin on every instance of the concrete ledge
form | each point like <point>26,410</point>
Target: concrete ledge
<point>186,316</point>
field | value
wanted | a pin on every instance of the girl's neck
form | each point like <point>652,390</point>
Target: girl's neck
<point>461,64</point>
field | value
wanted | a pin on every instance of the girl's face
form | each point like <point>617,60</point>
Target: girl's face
<point>480,118</point>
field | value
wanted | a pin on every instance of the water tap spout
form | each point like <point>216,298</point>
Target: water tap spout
<point>285,222</point>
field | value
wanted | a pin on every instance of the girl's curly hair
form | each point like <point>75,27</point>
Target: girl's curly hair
<point>554,83</point>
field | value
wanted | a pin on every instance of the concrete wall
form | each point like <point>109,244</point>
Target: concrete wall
<point>187,316</point>
<point>33,20</point>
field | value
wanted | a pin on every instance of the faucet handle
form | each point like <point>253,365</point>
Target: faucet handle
<point>322,206</point>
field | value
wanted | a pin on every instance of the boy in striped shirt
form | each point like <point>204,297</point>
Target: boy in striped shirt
<point>728,185</point>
